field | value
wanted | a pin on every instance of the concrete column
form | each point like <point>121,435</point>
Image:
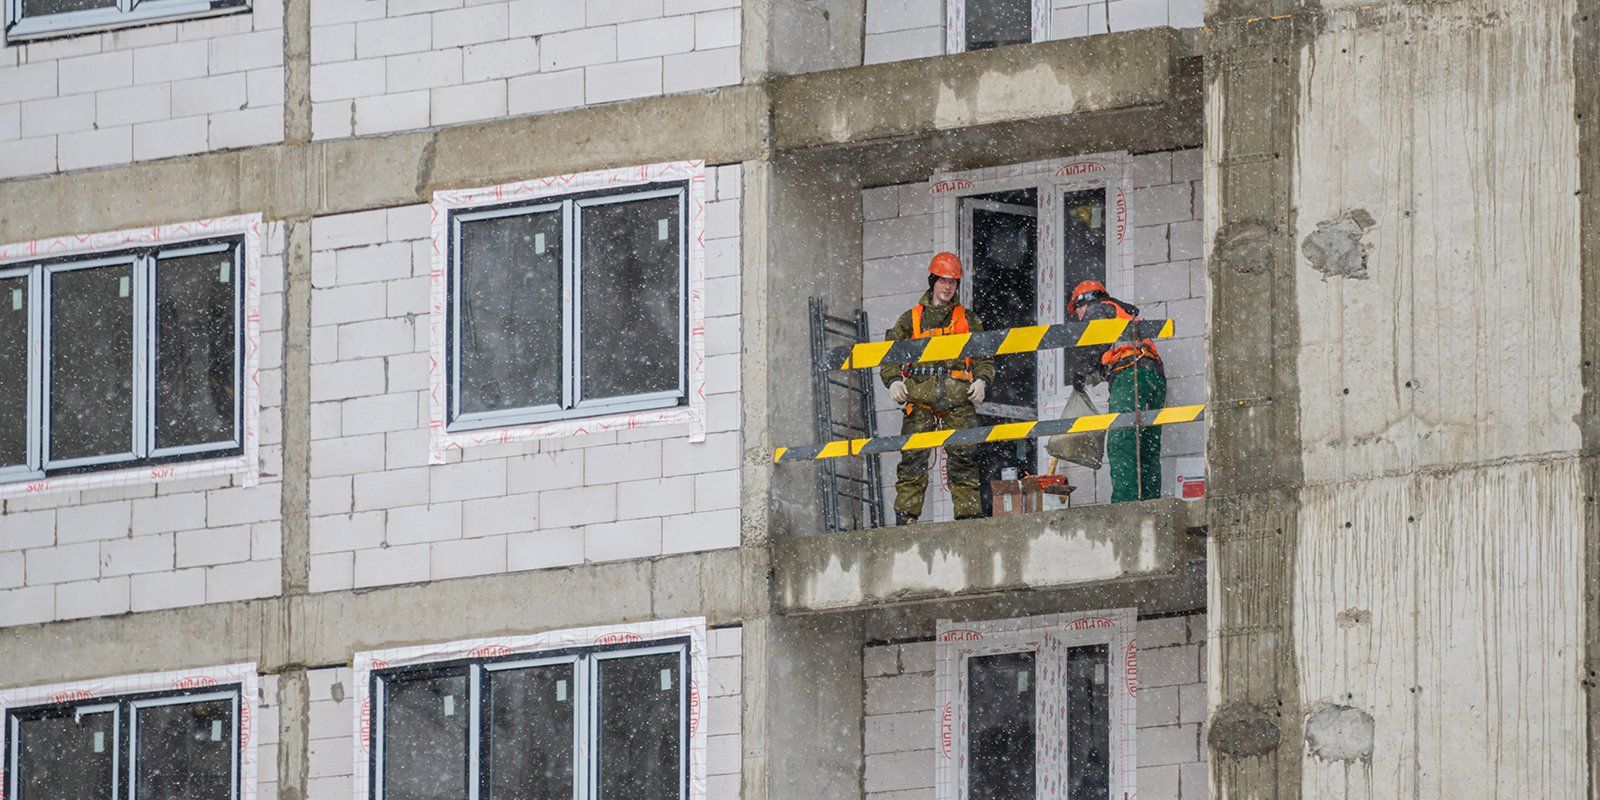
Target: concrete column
<point>1253,447</point>
<point>1586,70</point>
<point>815,692</point>
<point>813,250</point>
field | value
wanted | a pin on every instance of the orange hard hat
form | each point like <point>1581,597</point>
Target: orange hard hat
<point>946,265</point>
<point>1084,289</point>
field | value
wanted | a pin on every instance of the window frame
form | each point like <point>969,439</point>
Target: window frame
<point>125,709</point>
<point>585,663</point>
<point>573,404</point>
<point>144,262</point>
<point>956,24</point>
<point>127,13</point>
<point>1051,638</point>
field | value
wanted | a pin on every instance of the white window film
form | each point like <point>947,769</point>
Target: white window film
<point>26,19</point>
<point>164,746</point>
<point>570,308</point>
<point>590,724</point>
<point>137,361</point>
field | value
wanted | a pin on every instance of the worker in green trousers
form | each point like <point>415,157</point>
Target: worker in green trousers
<point>1138,383</point>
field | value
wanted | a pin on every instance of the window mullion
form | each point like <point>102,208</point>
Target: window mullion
<point>586,773</point>
<point>36,371</point>
<point>572,321</point>
<point>143,355</point>
<point>474,739</point>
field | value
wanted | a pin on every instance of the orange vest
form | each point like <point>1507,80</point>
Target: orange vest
<point>1122,355</point>
<point>958,324</point>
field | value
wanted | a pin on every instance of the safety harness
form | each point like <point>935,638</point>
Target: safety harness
<point>1123,355</point>
<point>957,324</point>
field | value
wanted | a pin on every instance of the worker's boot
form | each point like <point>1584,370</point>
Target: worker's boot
<point>902,518</point>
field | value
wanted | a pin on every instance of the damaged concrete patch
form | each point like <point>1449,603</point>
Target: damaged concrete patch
<point>1339,733</point>
<point>1244,247</point>
<point>1243,730</point>
<point>1351,617</point>
<point>1335,248</point>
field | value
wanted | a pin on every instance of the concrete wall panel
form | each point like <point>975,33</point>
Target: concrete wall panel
<point>1445,607</point>
<point>1449,172</point>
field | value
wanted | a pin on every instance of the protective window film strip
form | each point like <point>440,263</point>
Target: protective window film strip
<point>1049,637</point>
<point>245,467</point>
<point>441,440</point>
<point>1003,341</point>
<point>1171,415</point>
<point>242,675</point>
<point>643,633</point>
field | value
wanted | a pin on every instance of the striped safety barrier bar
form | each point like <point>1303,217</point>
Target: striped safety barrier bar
<point>1172,415</point>
<point>991,343</point>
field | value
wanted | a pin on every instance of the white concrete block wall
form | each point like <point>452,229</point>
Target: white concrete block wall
<point>332,724</point>
<point>330,732</point>
<point>265,728</point>
<point>904,29</point>
<point>388,65</point>
<point>1163,274</point>
<point>724,713</point>
<point>380,514</point>
<point>141,93</point>
<point>900,729</point>
<point>100,552</point>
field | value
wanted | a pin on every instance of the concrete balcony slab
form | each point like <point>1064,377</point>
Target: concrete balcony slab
<point>1050,550</point>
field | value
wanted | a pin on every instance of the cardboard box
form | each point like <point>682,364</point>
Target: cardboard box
<point>1015,497</point>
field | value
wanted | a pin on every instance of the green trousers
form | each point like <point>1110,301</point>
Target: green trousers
<point>911,477</point>
<point>1135,454</point>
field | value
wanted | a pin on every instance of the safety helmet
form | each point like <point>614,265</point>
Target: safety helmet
<point>945,265</point>
<point>1086,292</point>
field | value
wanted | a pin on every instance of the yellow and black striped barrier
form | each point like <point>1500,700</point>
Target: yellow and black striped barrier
<point>1172,415</point>
<point>991,343</point>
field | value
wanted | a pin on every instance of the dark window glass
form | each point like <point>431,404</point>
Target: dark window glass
<point>39,7</point>
<point>640,726</point>
<point>67,756</point>
<point>531,730</point>
<point>1089,709</point>
<point>13,371</point>
<point>511,312</point>
<point>184,751</point>
<point>992,23</point>
<point>91,362</point>
<point>196,354</point>
<point>1083,258</point>
<point>1000,727</point>
<point>632,290</point>
<point>425,738</point>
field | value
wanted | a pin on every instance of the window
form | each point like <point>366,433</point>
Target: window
<point>573,307</point>
<point>594,724</point>
<point>1038,707</point>
<point>38,18</point>
<point>1003,730</point>
<point>121,359</point>
<point>993,23</point>
<point>164,746</point>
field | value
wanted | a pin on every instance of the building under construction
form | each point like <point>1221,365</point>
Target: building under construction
<point>406,399</point>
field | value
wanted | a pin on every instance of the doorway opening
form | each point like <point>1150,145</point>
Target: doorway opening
<point>1002,254</point>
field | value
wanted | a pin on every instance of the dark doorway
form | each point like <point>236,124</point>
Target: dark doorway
<point>1004,268</point>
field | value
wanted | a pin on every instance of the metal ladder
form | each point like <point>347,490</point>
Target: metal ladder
<point>851,489</point>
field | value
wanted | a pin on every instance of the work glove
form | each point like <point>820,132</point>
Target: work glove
<point>898,392</point>
<point>975,391</point>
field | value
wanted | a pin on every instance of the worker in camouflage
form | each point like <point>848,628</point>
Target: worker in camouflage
<point>938,395</point>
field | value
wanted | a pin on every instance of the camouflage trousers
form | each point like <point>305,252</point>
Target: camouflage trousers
<point>911,477</point>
